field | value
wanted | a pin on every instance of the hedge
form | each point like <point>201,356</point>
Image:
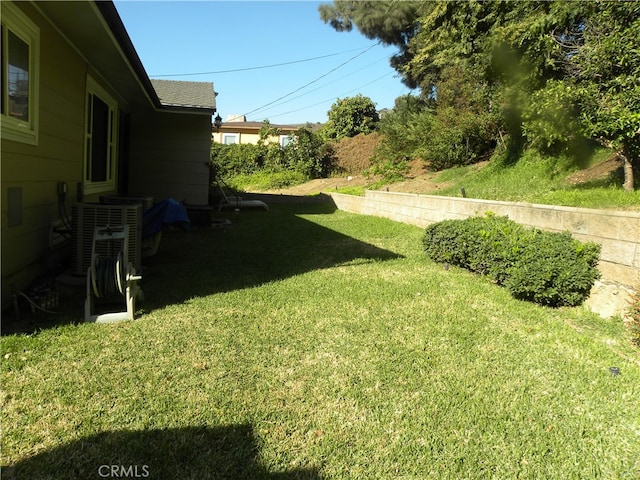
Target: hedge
<point>547,268</point>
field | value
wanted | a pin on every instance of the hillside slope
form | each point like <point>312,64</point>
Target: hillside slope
<point>532,179</point>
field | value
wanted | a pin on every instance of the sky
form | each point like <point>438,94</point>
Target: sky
<point>229,42</point>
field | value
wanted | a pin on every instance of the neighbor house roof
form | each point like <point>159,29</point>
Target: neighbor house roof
<point>195,95</point>
<point>232,126</point>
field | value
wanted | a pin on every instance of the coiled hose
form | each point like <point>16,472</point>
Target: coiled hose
<point>107,275</point>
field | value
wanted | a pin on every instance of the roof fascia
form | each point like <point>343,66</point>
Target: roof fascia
<point>123,43</point>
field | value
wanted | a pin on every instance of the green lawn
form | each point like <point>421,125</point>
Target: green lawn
<point>306,342</point>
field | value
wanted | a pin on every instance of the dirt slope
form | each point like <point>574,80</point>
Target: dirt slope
<point>354,156</point>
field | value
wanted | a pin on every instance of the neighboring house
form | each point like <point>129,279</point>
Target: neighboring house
<point>80,119</point>
<point>237,130</point>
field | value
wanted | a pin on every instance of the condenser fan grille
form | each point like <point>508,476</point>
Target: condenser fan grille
<point>87,216</point>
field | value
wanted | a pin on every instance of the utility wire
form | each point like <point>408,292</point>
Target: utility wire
<point>313,81</point>
<point>330,83</point>
<point>332,98</point>
<point>255,68</point>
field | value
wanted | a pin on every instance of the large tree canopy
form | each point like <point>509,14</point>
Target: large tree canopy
<point>392,23</point>
<point>552,70</point>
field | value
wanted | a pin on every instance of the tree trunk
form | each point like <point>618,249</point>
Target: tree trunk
<point>628,172</point>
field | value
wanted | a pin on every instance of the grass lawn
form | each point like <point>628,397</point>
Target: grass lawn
<point>305,342</point>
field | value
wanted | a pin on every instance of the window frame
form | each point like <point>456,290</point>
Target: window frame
<point>235,136</point>
<point>94,89</point>
<point>21,26</point>
<point>286,140</point>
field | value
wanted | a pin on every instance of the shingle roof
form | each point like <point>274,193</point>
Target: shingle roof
<point>254,126</point>
<point>173,93</point>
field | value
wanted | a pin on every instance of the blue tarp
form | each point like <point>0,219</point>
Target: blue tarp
<point>167,212</point>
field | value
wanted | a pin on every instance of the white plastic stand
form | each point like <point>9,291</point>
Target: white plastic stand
<point>125,276</point>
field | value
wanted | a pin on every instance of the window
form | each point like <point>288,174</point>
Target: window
<point>19,71</point>
<point>100,140</point>
<point>286,140</point>
<point>230,138</point>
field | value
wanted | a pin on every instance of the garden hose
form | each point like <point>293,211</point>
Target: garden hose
<point>107,275</point>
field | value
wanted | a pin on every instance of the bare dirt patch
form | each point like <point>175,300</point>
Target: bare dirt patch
<point>319,185</point>
<point>354,155</point>
<point>599,171</point>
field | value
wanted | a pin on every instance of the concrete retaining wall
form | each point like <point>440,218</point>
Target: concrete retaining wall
<point>617,231</point>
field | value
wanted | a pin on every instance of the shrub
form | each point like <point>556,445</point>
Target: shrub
<point>458,137</point>
<point>543,267</point>
<point>305,157</point>
<point>554,270</point>
<point>227,160</point>
<point>309,155</point>
<point>350,116</point>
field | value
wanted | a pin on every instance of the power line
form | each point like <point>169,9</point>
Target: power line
<point>313,81</point>
<point>332,98</point>
<point>329,83</point>
<point>255,68</point>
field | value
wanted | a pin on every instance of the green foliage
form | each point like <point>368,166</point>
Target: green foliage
<point>236,159</point>
<point>554,270</point>
<point>351,116</point>
<point>445,137</point>
<point>550,119</point>
<point>309,155</point>
<point>403,132</point>
<point>634,314</point>
<point>607,67</point>
<point>458,137</point>
<point>266,180</point>
<point>547,74</point>
<point>405,129</point>
<point>547,268</point>
<point>267,165</point>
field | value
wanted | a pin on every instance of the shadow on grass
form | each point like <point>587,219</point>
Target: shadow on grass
<point>258,247</point>
<point>229,452</point>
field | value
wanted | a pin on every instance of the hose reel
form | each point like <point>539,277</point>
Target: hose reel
<point>110,275</point>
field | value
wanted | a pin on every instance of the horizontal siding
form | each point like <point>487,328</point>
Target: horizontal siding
<point>36,169</point>
<point>171,152</point>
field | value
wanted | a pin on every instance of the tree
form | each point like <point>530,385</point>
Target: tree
<point>350,116</point>
<point>392,23</point>
<point>549,73</point>
<point>583,76</point>
<point>606,71</point>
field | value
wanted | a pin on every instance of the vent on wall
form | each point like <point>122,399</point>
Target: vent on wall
<point>85,217</point>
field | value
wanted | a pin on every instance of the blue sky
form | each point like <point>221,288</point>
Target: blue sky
<point>176,39</point>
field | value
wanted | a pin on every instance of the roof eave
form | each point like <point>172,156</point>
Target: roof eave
<point>188,109</point>
<point>115,24</point>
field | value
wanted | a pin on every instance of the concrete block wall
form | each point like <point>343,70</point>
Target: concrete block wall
<point>617,231</point>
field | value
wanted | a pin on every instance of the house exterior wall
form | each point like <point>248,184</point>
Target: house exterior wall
<point>243,137</point>
<point>246,136</point>
<point>169,159</point>
<point>30,173</point>
<point>170,156</point>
